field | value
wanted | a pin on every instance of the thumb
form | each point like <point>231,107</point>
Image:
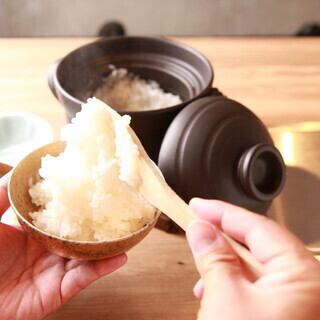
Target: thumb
<point>216,261</point>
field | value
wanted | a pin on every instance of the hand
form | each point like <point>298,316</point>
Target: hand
<point>34,282</point>
<point>288,289</point>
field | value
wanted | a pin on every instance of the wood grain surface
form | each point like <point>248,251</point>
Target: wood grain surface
<point>277,78</point>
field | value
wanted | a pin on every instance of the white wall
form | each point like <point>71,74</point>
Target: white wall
<point>173,17</point>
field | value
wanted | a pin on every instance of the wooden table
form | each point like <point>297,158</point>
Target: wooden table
<point>279,79</point>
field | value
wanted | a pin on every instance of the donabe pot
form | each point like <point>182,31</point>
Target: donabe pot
<point>177,68</point>
<point>208,146</point>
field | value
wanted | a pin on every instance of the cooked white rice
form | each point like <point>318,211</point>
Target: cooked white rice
<point>124,91</point>
<point>89,192</point>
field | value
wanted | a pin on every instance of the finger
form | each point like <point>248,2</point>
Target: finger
<point>4,200</point>
<point>216,261</point>
<point>198,289</point>
<point>83,274</point>
<point>267,241</point>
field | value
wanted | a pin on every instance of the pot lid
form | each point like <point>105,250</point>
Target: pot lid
<point>218,149</point>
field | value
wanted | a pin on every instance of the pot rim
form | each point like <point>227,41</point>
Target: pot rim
<point>183,46</point>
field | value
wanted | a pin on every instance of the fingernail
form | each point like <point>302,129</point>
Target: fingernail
<point>194,200</point>
<point>201,236</point>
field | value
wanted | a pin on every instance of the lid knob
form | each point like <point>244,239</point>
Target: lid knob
<point>261,172</point>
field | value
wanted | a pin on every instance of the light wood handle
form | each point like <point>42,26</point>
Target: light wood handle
<point>247,258</point>
<point>255,267</point>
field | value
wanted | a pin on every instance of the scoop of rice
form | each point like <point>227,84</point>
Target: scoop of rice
<point>125,91</point>
<point>89,192</point>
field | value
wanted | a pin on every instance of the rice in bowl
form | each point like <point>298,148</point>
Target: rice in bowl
<point>90,191</point>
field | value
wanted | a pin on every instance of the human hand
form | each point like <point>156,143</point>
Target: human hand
<point>288,289</point>
<point>34,282</point>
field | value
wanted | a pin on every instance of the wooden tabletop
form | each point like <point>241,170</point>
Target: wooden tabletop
<point>277,78</point>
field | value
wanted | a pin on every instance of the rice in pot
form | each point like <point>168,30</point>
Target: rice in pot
<point>124,91</point>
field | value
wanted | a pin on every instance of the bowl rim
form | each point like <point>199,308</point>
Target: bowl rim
<point>49,235</point>
<point>181,45</point>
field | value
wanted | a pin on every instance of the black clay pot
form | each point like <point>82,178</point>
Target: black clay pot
<point>177,68</point>
<point>208,146</point>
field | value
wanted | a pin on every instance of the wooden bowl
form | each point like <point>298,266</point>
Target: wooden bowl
<point>22,205</point>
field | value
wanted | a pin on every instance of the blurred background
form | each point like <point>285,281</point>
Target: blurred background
<point>154,17</point>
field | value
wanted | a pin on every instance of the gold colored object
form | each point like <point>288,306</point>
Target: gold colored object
<point>298,206</point>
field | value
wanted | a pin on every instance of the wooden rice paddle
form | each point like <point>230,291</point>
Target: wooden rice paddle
<point>157,192</point>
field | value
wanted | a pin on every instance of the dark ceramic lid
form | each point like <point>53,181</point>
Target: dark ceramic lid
<point>216,148</point>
